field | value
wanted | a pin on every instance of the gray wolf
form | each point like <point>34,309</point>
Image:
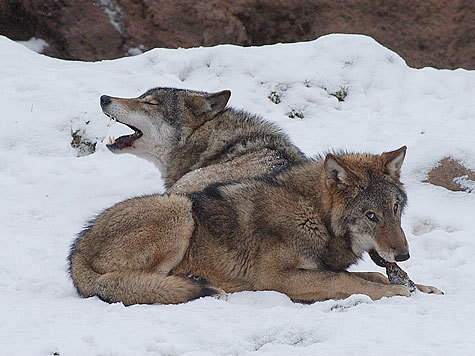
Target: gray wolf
<point>295,231</point>
<point>195,140</point>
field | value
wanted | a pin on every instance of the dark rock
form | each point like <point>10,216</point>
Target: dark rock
<point>435,33</point>
<point>73,29</point>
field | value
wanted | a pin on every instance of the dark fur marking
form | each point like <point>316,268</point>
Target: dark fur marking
<point>212,191</point>
<point>78,238</point>
<point>197,279</point>
<point>338,254</point>
<point>206,292</point>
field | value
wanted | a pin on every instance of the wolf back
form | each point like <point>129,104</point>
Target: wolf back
<point>195,140</point>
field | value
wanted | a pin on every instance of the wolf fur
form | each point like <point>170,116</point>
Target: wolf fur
<point>195,140</point>
<point>295,231</point>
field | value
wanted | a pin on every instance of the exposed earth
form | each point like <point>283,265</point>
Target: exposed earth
<point>434,33</point>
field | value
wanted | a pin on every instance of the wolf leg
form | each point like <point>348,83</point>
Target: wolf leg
<point>380,278</point>
<point>135,287</point>
<point>428,289</point>
<point>314,285</point>
<point>375,277</point>
<point>398,276</point>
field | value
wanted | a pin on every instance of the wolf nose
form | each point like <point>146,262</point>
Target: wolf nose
<point>105,100</point>
<point>400,258</point>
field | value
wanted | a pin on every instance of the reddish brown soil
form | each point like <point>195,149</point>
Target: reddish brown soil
<point>436,33</point>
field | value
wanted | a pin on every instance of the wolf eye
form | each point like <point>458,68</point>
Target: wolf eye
<point>371,216</point>
<point>396,208</point>
<point>151,102</point>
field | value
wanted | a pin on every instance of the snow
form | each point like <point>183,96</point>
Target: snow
<point>35,44</point>
<point>49,191</point>
<point>115,13</point>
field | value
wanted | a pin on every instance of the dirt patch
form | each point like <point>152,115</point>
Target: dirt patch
<point>451,175</point>
<point>82,145</point>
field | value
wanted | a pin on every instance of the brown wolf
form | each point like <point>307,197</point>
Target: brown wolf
<point>295,231</point>
<point>195,140</point>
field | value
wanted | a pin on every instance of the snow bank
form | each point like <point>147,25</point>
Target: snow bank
<point>49,190</point>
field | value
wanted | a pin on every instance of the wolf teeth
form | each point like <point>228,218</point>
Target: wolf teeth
<point>111,118</point>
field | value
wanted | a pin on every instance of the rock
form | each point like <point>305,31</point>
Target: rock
<point>435,33</point>
<point>451,175</point>
<point>73,29</point>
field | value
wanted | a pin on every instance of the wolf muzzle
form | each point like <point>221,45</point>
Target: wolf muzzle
<point>400,258</point>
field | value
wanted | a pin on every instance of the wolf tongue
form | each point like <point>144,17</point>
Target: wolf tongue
<point>125,141</point>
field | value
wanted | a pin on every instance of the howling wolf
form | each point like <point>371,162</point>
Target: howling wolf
<point>195,140</point>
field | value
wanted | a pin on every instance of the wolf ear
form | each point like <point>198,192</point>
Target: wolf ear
<point>218,101</point>
<point>392,162</point>
<point>336,170</point>
<point>205,106</point>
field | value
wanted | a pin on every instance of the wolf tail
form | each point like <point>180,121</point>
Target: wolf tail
<point>83,276</point>
<point>136,287</point>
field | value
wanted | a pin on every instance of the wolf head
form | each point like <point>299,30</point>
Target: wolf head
<point>161,118</point>
<point>368,198</point>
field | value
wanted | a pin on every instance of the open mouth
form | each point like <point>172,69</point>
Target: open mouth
<point>381,262</point>
<point>123,141</point>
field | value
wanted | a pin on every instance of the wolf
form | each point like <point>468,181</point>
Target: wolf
<point>195,140</point>
<point>295,231</point>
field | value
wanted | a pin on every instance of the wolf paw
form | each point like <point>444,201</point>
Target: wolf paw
<point>429,289</point>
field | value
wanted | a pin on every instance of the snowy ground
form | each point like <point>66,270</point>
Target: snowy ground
<point>48,192</point>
